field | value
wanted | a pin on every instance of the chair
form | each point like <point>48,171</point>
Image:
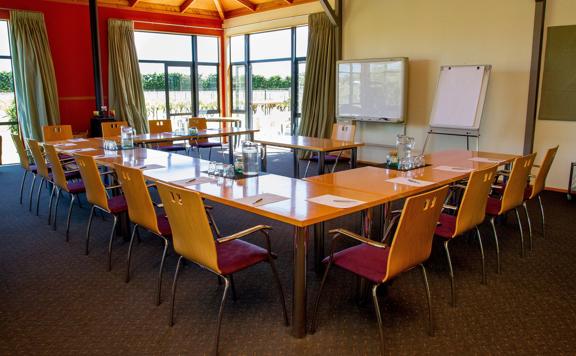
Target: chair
<point>112,128</point>
<point>378,262</point>
<point>42,171</point>
<point>57,132</point>
<point>97,195</point>
<point>159,126</point>
<point>193,240</point>
<point>533,190</point>
<point>470,214</point>
<point>25,164</point>
<point>201,124</point>
<point>142,214</point>
<point>340,132</point>
<point>62,183</point>
<point>512,198</point>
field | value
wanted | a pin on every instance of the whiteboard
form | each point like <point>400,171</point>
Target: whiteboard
<point>372,89</point>
<point>460,97</point>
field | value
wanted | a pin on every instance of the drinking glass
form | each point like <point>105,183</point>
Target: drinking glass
<point>211,167</point>
<point>219,171</point>
<point>229,171</point>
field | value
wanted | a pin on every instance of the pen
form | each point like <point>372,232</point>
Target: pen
<point>413,181</point>
<point>143,167</point>
<point>342,201</point>
<point>257,201</point>
<point>191,180</point>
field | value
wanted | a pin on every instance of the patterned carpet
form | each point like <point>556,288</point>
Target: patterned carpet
<point>55,300</point>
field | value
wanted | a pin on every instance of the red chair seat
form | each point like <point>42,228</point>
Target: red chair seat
<point>447,226</point>
<point>164,225</point>
<point>493,206</point>
<point>32,168</point>
<point>76,187</point>
<point>208,144</point>
<point>364,260</point>
<point>117,204</point>
<point>527,191</point>
<point>236,255</point>
<point>330,158</point>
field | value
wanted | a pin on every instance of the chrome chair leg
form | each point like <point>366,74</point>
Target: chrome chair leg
<point>498,270</point>
<point>58,194</point>
<point>50,204</point>
<point>233,285</point>
<point>279,284</point>
<point>430,318</point>
<point>134,230</point>
<point>31,192</point>
<point>22,185</point>
<point>92,211</point>
<point>542,213</point>
<point>521,232</point>
<point>159,285</point>
<point>220,312</point>
<point>112,235</point>
<point>72,199</point>
<point>209,153</point>
<point>525,205</point>
<point>42,181</point>
<point>378,316</point>
<point>306,170</point>
<point>451,273</point>
<point>482,254</point>
<point>213,224</point>
<point>174,282</point>
<point>317,304</point>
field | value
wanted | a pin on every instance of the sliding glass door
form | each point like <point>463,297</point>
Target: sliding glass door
<point>271,97</point>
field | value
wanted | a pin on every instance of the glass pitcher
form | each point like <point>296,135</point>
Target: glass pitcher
<point>127,137</point>
<point>404,146</point>
<point>251,153</point>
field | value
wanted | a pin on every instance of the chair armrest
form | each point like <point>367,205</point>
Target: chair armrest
<point>71,170</point>
<point>107,172</point>
<point>450,207</point>
<point>503,172</point>
<point>243,233</point>
<point>350,234</point>
<point>113,186</point>
<point>150,185</point>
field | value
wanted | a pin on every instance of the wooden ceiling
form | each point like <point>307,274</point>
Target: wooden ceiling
<point>214,9</point>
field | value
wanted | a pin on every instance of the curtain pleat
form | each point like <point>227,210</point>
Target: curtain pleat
<point>125,84</point>
<point>319,101</point>
<point>34,76</point>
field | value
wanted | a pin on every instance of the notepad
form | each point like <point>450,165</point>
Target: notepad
<point>188,182</point>
<point>88,149</point>
<point>78,140</point>
<point>65,145</point>
<point>261,199</point>
<point>335,201</point>
<point>484,160</point>
<point>454,169</point>
<point>409,181</point>
<point>146,167</point>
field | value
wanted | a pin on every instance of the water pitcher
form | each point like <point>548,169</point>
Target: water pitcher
<point>127,137</point>
<point>250,158</point>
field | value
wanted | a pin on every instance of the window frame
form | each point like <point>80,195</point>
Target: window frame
<point>9,57</point>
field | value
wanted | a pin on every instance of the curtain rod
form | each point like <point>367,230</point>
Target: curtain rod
<point>267,21</point>
<point>176,25</point>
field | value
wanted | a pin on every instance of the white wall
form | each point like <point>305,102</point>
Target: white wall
<point>563,133</point>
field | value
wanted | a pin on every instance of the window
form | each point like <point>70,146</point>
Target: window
<point>267,78</point>
<point>180,74</point>
<point>8,117</point>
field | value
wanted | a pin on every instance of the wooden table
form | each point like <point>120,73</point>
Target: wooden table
<point>233,120</point>
<point>296,210</point>
<point>144,139</point>
<point>315,144</point>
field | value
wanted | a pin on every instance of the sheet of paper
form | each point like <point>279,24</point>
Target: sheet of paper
<point>454,169</point>
<point>108,155</point>
<point>484,160</point>
<point>78,140</point>
<point>409,181</point>
<point>88,149</point>
<point>190,182</point>
<point>261,199</point>
<point>146,167</point>
<point>335,201</point>
<point>65,145</point>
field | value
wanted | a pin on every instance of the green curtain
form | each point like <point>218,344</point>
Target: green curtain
<point>125,84</point>
<point>319,101</point>
<point>34,77</point>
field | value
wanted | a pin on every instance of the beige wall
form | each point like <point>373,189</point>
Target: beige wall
<point>563,133</point>
<point>435,33</point>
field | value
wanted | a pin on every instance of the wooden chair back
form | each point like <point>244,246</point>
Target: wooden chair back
<point>95,190</point>
<point>201,124</point>
<point>140,207</point>
<point>57,132</point>
<point>112,128</point>
<point>472,210</point>
<point>516,185</point>
<point>540,181</point>
<point>412,242</point>
<point>191,233</point>
<point>159,126</point>
<point>21,150</point>
<point>57,169</point>
<point>343,132</point>
<point>39,160</point>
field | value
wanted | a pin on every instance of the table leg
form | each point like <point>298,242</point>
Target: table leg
<point>318,246</point>
<point>230,150</point>
<point>299,288</point>
<point>264,159</point>
<point>321,162</point>
<point>354,158</point>
<point>296,163</point>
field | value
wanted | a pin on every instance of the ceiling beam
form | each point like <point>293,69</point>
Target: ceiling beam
<point>220,9</point>
<point>247,4</point>
<point>330,12</point>
<point>133,3</point>
<point>186,5</point>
